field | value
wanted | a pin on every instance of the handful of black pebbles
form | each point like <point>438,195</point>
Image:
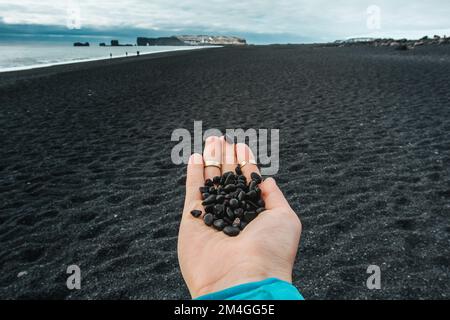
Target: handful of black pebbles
<point>230,203</point>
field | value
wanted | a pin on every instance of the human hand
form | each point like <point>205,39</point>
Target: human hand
<point>210,260</point>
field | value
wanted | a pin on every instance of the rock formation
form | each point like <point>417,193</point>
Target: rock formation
<point>191,40</point>
<point>400,44</point>
<point>81,44</point>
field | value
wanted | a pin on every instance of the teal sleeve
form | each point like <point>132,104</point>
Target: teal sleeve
<point>268,289</point>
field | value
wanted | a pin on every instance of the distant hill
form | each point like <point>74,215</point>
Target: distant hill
<point>191,40</point>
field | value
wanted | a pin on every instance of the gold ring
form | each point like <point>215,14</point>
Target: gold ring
<point>251,161</point>
<point>212,163</point>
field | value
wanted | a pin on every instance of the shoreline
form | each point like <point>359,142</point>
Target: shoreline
<point>59,63</point>
<point>10,77</point>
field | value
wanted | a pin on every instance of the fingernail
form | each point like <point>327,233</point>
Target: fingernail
<point>228,139</point>
<point>196,158</point>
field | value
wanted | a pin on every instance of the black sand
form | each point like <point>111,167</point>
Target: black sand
<point>86,177</point>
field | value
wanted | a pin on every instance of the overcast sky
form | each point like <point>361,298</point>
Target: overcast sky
<point>319,20</point>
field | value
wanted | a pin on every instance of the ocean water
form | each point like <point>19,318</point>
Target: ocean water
<point>28,56</point>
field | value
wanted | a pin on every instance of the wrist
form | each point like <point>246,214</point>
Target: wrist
<point>241,275</point>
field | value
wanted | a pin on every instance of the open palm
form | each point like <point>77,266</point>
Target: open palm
<point>210,260</point>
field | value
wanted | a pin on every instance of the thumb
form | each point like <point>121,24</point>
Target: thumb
<point>272,195</point>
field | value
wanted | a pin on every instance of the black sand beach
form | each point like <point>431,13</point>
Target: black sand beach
<point>86,176</point>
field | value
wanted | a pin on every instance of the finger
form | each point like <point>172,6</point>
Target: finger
<point>244,153</point>
<point>272,195</point>
<point>228,155</point>
<point>212,152</point>
<point>194,179</point>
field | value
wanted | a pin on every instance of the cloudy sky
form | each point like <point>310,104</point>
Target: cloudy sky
<point>262,20</point>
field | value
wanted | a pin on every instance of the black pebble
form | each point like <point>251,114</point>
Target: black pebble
<point>216,180</point>
<point>261,203</point>
<point>205,195</point>
<point>239,213</point>
<point>238,170</point>
<point>230,214</point>
<point>218,209</point>
<point>212,190</point>
<point>259,210</point>
<point>231,231</point>
<point>229,188</point>
<point>252,204</point>
<point>219,224</point>
<point>256,177</point>
<point>226,174</point>
<point>209,208</point>
<point>196,213</point>
<point>208,219</point>
<point>252,194</point>
<point>241,186</point>
<point>242,183</point>
<point>220,198</point>
<point>210,200</point>
<point>242,225</point>
<point>249,216</point>
<point>209,183</point>
<point>241,196</point>
<point>234,203</point>
<point>227,221</point>
<point>230,179</point>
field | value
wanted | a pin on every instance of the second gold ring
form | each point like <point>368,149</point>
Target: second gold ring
<point>212,163</point>
<point>244,163</point>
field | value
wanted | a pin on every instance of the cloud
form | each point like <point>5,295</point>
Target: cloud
<point>322,20</point>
